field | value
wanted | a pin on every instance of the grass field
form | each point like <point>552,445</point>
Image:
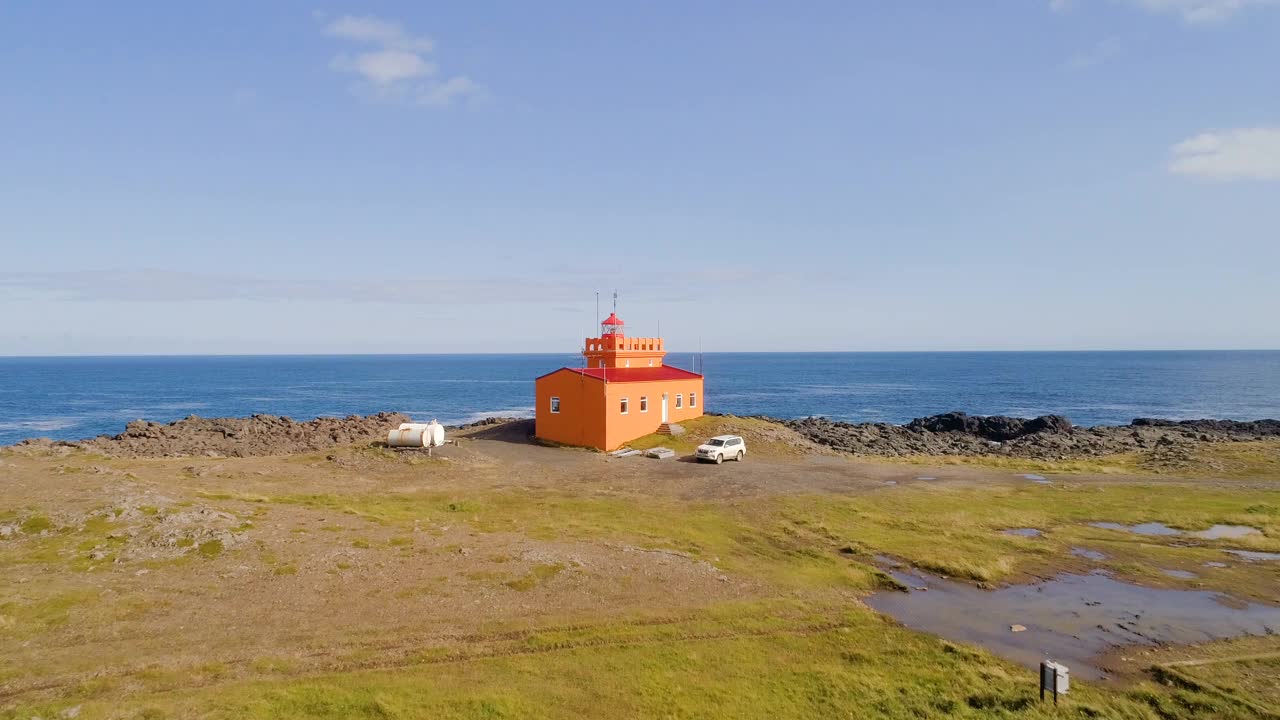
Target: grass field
<point>516,581</point>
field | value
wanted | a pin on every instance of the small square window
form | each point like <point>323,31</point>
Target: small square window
<point>644,403</point>
<point>623,407</point>
<point>679,400</point>
<point>555,405</point>
<point>693,399</point>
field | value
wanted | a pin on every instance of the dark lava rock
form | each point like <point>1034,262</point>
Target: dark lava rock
<point>240,437</point>
<point>992,427</point>
<point>1049,437</point>
<point>1259,428</point>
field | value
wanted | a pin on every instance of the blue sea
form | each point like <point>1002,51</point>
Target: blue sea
<point>86,396</point>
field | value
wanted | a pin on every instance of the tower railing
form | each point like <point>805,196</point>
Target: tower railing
<point>633,344</point>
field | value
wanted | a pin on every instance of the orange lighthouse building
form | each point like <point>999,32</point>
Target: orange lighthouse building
<point>623,392</point>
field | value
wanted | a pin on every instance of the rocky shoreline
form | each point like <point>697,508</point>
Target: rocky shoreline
<point>1049,437</point>
<point>252,436</point>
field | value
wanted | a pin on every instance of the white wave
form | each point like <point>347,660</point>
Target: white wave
<point>445,419</point>
<point>477,380</point>
<point>178,406</point>
<point>46,425</point>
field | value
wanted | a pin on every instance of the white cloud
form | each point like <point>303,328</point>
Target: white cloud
<point>1201,11</point>
<point>1241,154</point>
<point>1096,55</point>
<point>378,32</point>
<point>444,93</point>
<point>1191,11</point>
<point>397,64</point>
<point>385,67</point>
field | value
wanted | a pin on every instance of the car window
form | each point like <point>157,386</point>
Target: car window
<point>715,442</point>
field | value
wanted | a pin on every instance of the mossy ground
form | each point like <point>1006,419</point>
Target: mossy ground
<point>799,644</point>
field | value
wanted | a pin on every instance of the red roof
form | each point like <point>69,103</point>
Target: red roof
<point>613,319</point>
<point>641,374</point>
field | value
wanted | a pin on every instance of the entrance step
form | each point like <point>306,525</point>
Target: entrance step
<point>670,429</point>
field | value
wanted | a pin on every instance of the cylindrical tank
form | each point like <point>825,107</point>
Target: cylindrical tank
<point>433,435</point>
<point>424,435</point>
<point>406,437</point>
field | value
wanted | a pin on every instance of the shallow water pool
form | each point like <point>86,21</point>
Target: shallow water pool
<point>1218,532</point>
<point>1255,554</point>
<point>1151,528</point>
<point>1072,618</point>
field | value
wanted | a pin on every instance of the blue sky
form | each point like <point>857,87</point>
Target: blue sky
<point>453,177</point>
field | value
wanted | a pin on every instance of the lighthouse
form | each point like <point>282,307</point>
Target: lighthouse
<point>622,392</point>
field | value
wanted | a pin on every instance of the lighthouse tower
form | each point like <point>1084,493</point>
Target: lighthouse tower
<point>613,349</point>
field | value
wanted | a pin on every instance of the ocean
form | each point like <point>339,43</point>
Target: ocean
<point>76,397</point>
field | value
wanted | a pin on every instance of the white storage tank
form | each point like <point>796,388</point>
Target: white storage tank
<point>418,435</point>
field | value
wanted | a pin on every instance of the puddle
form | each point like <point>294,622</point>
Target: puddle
<point>1036,478</point>
<point>1151,528</point>
<point>890,482</point>
<point>886,560</point>
<point>1087,553</point>
<point>1255,554</point>
<point>1218,532</point>
<point>1216,564</point>
<point>1072,618</point>
<point>926,477</point>
<point>1180,574</point>
<point>1023,532</point>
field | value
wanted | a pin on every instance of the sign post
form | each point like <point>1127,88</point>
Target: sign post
<point>1054,677</point>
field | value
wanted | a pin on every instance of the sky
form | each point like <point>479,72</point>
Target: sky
<point>398,177</point>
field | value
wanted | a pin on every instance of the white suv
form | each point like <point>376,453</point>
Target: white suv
<point>721,448</point>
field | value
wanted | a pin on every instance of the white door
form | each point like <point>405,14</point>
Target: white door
<point>664,407</point>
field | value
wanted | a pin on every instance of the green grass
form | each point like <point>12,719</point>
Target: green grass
<point>816,654</point>
<point>28,617</point>
<point>535,577</point>
<point>1226,460</point>
<point>780,659</point>
<point>210,549</point>
<point>762,437</point>
<point>793,541</point>
<point>36,524</point>
<point>956,531</point>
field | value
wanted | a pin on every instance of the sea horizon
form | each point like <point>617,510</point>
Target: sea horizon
<point>72,397</point>
<point>669,352</point>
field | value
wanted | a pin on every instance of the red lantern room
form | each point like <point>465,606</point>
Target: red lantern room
<point>612,325</point>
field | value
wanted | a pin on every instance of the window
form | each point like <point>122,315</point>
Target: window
<point>626,363</point>
<point>555,405</point>
<point>693,399</point>
<point>644,403</point>
<point>679,400</point>
<point>623,408</point>
<point>599,363</point>
<point>651,362</point>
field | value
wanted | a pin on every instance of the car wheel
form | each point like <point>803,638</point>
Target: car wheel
<point>719,459</point>
<point>739,458</point>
